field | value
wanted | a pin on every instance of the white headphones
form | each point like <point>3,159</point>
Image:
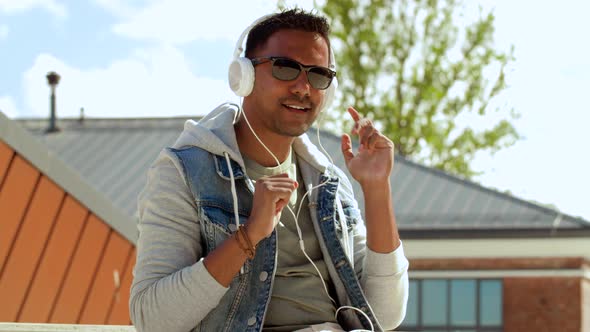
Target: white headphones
<point>241,71</point>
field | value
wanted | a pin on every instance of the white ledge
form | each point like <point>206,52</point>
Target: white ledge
<point>29,327</point>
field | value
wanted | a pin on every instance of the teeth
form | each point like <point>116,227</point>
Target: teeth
<point>296,107</point>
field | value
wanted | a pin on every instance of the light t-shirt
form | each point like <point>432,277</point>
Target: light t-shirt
<point>298,297</point>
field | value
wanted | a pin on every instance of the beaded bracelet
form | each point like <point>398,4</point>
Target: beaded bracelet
<point>242,229</point>
<point>249,249</point>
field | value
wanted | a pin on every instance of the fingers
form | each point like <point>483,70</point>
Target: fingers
<point>277,176</point>
<point>280,205</point>
<point>367,134</point>
<point>354,114</point>
<point>356,117</point>
<point>276,188</point>
<point>364,128</point>
<point>346,146</point>
<point>283,185</point>
<point>377,141</point>
<point>359,122</point>
<point>369,137</point>
<point>271,195</point>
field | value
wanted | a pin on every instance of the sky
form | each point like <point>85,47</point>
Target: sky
<point>153,58</point>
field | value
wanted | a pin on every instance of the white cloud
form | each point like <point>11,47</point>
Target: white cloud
<point>15,6</point>
<point>8,107</point>
<point>154,82</point>
<point>183,21</point>
<point>3,31</point>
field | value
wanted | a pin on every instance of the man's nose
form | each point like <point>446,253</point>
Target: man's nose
<point>300,85</point>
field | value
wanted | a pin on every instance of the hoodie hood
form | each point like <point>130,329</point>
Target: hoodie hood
<point>215,133</point>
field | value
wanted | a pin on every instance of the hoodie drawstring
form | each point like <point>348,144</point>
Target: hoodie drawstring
<point>234,195</point>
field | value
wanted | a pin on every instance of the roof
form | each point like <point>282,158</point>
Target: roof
<point>69,176</point>
<point>65,252</point>
<point>113,156</point>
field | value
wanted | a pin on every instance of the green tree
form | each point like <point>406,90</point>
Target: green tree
<point>408,66</point>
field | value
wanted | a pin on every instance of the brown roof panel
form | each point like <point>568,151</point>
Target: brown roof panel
<point>28,247</point>
<point>6,155</point>
<point>48,163</point>
<point>119,314</point>
<point>60,240</point>
<point>55,262</point>
<point>15,196</point>
<point>81,273</point>
<point>107,280</point>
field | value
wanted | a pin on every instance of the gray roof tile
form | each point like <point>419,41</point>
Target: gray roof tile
<point>113,155</point>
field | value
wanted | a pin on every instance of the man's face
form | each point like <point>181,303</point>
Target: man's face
<point>274,105</point>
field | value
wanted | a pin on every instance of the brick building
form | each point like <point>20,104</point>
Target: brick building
<point>480,260</point>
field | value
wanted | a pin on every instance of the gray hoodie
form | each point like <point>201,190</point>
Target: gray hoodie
<point>172,290</point>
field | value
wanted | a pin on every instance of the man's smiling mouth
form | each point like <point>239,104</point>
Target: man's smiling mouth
<point>297,107</point>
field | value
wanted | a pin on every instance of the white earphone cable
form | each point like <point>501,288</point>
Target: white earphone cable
<point>353,308</point>
<point>234,195</point>
<point>348,250</point>
<point>295,216</point>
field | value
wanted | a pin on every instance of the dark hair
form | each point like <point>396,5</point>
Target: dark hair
<point>296,19</point>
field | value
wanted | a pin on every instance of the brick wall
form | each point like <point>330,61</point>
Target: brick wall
<point>542,304</point>
<point>586,305</point>
<point>513,263</point>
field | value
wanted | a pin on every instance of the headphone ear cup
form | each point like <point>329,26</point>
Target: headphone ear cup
<point>330,95</point>
<point>241,76</point>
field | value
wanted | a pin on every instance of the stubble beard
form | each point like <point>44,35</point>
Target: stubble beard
<point>294,131</point>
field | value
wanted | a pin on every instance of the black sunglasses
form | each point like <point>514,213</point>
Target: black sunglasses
<point>286,69</point>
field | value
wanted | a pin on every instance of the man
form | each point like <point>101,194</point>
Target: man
<point>246,226</point>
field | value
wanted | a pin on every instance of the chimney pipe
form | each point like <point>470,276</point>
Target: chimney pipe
<point>52,80</point>
<point>81,119</point>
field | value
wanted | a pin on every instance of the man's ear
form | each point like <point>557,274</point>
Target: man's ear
<point>329,95</point>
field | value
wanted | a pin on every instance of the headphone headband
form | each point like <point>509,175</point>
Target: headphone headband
<point>240,44</point>
<point>241,71</point>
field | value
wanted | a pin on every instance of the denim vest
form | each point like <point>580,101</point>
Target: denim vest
<point>243,306</point>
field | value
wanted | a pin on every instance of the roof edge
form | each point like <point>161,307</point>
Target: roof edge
<point>501,233</point>
<point>475,185</point>
<point>96,118</point>
<point>58,171</point>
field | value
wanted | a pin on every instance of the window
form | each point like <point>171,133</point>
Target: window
<point>454,305</point>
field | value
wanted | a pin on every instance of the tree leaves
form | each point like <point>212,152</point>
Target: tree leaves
<point>411,68</point>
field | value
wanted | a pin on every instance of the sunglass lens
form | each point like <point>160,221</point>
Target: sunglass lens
<point>319,78</point>
<point>285,69</point>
